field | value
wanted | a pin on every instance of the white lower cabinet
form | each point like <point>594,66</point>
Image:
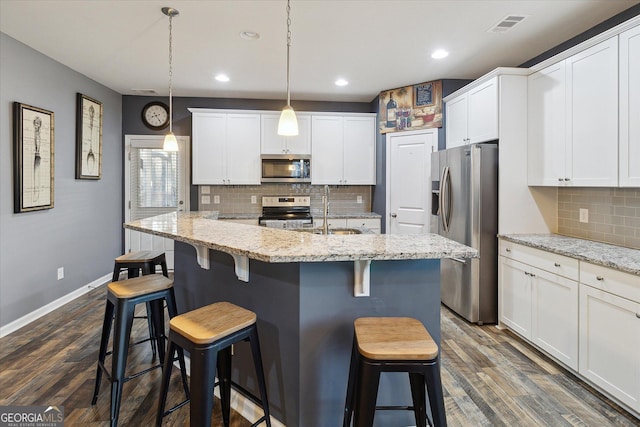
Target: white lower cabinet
<point>610,332</point>
<point>539,299</point>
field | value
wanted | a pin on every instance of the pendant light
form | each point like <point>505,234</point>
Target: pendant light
<point>170,141</point>
<point>288,124</point>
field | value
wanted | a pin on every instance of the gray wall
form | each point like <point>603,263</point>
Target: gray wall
<point>82,232</point>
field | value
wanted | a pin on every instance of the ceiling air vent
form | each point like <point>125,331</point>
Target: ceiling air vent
<point>506,23</point>
<point>144,91</point>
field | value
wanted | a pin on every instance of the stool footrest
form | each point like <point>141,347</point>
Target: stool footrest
<point>394,408</point>
<point>175,408</point>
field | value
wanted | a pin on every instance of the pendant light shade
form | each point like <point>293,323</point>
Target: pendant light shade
<point>170,141</point>
<point>288,124</point>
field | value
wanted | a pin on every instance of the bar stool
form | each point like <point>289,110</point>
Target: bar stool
<point>208,333</point>
<point>146,261</point>
<point>140,260</point>
<point>393,344</point>
<point>122,297</point>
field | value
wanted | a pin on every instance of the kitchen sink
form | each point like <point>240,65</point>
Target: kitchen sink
<point>337,231</point>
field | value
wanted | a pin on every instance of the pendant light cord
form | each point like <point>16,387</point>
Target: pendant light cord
<point>288,48</point>
<point>170,72</point>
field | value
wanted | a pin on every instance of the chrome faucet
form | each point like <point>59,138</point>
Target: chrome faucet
<point>325,210</point>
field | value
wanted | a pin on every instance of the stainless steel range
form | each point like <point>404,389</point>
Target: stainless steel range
<point>286,212</point>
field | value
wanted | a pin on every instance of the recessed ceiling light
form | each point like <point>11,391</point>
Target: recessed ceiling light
<point>341,82</point>
<point>250,35</point>
<point>439,54</point>
<point>222,78</point>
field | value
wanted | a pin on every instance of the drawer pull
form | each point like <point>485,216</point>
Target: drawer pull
<point>600,278</point>
<point>508,250</point>
<point>638,315</point>
<point>556,264</point>
<point>532,275</point>
<point>527,274</point>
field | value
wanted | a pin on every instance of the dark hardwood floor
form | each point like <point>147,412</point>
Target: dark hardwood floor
<point>491,378</point>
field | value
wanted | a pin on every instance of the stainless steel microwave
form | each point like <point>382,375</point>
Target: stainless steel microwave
<point>286,168</point>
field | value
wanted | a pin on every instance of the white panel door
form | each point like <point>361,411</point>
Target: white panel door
<point>156,182</point>
<point>327,150</point>
<point>456,121</point>
<point>409,181</point>
<point>630,108</point>
<point>555,316</point>
<point>592,111</point>
<point>359,151</point>
<point>209,140</point>
<point>610,343</point>
<point>515,296</point>
<point>243,149</point>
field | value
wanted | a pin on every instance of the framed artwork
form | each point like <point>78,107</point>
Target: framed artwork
<point>88,138</point>
<point>411,107</point>
<point>33,153</point>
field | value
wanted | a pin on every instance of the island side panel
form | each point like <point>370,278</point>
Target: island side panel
<point>327,310</point>
<point>273,293</point>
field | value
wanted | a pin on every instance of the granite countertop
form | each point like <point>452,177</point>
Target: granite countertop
<point>616,257</point>
<point>276,245</point>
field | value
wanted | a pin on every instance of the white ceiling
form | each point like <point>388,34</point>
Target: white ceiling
<point>375,45</point>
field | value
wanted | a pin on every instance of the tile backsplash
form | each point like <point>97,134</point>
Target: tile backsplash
<point>613,214</point>
<point>236,199</point>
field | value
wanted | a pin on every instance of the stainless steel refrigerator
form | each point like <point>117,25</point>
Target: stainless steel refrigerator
<point>466,195</point>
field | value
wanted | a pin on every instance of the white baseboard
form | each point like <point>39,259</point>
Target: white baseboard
<point>36,314</point>
<point>239,403</point>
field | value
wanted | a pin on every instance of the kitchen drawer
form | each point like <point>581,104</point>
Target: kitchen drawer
<point>622,284</point>
<point>554,263</point>
<point>372,223</point>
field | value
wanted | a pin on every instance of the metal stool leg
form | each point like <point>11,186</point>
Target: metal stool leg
<point>224,381</point>
<point>104,341</point>
<point>368,381</point>
<point>351,386</point>
<point>436,398</point>
<point>122,331</point>
<point>257,361</point>
<point>418,395</point>
<point>203,373</point>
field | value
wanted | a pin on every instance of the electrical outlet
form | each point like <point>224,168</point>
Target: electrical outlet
<point>216,199</point>
<point>359,199</point>
<point>205,189</point>
<point>60,273</point>
<point>584,215</point>
<point>254,200</point>
<point>205,200</point>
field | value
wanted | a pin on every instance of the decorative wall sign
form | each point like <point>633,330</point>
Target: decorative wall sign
<point>88,138</point>
<point>32,158</point>
<point>411,107</point>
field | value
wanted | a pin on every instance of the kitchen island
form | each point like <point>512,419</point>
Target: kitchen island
<point>306,293</point>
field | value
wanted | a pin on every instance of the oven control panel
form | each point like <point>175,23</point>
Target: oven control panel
<point>275,201</point>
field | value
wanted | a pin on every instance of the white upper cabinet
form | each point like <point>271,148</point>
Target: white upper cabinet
<point>473,116</point>
<point>630,108</point>
<point>592,112</point>
<point>573,120</point>
<point>272,143</point>
<point>343,150</point>
<point>226,148</point>
<point>546,130</point>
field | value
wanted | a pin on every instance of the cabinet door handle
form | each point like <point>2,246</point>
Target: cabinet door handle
<point>532,275</point>
<point>567,179</point>
<point>638,315</point>
<point>600,278</point>
<point>527,274</point>
<point>560,179</point>
<point>508,250</point>
<point>556,264</point>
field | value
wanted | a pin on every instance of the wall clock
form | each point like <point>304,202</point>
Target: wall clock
<point>155,115</point>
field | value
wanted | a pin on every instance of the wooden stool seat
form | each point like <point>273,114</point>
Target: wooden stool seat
<point>208,334</point>
<point>394,338</point>
<point>212,322</point>
<point>139,256</point>
<point>393,344</point>
<point>139,286</point>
